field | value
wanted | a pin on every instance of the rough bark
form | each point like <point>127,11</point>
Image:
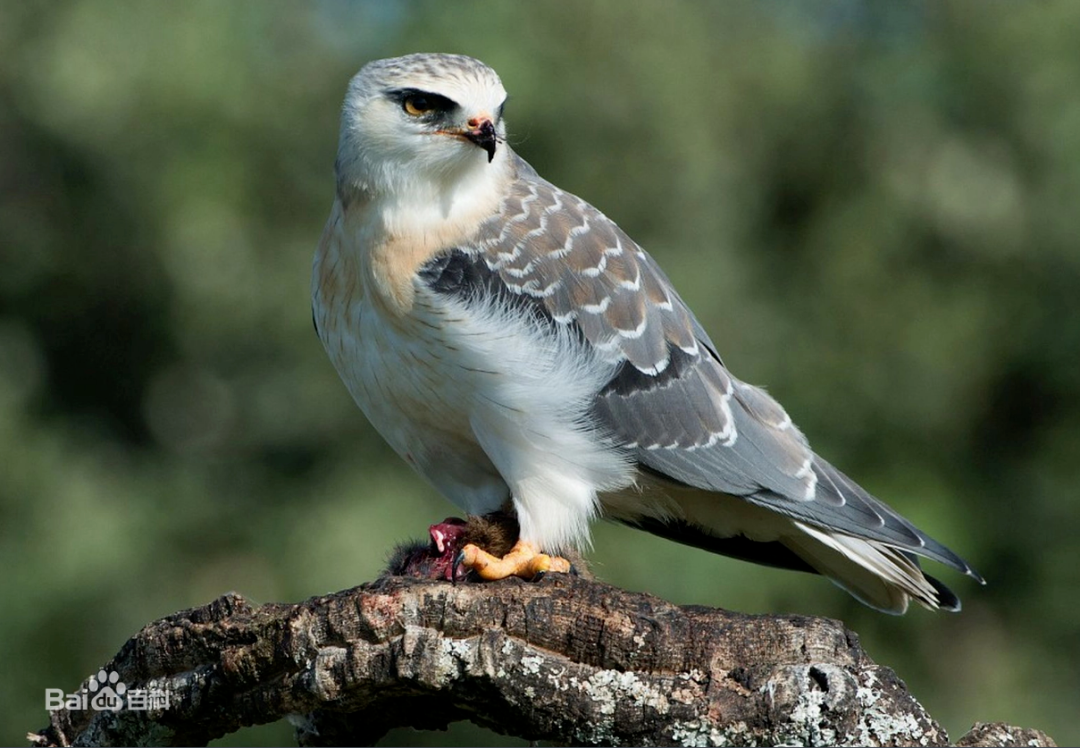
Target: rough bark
<point>562,659</point>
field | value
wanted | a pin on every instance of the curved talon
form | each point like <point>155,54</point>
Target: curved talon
<point>459,559</point>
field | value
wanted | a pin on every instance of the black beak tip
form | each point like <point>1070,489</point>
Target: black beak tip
<point>484,136</point>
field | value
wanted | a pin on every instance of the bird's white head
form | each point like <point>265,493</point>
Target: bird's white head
<point>423,120</point>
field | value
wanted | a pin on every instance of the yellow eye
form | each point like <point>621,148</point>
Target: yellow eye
<point>416,105</point>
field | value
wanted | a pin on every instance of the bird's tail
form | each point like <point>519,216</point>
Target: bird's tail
<point>876,574</point>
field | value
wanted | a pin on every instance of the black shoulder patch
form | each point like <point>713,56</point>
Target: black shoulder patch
<point>467,277</point>
<point>454,273</point>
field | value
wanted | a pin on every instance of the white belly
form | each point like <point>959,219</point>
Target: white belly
<point>487,406</point>
<point>419,398</point>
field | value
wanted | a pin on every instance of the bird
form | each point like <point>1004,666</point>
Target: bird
<point>523,354</point>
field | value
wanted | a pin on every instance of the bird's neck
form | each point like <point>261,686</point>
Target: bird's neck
<point>432,205</point>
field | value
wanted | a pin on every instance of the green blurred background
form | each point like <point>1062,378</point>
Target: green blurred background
<point>874,208</point>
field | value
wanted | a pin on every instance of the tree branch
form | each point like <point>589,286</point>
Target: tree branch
<point>563,659</point>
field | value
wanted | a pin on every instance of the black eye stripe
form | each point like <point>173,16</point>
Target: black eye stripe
<point>434,103</point>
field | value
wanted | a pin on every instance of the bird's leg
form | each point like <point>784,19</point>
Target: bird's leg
<point>524,560</point>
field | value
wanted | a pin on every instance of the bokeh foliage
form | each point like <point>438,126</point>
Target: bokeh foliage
<point>873,207</point>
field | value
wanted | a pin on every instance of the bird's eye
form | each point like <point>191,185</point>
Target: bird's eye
<point>421,104</point>
<point>416,105</point>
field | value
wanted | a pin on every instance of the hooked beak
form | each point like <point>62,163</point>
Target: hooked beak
<point>482,132</point>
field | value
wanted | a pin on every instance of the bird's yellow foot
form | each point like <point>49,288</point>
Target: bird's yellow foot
<point>524,560</point>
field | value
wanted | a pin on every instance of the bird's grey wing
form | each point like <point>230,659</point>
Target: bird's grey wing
<point>672,403</point>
